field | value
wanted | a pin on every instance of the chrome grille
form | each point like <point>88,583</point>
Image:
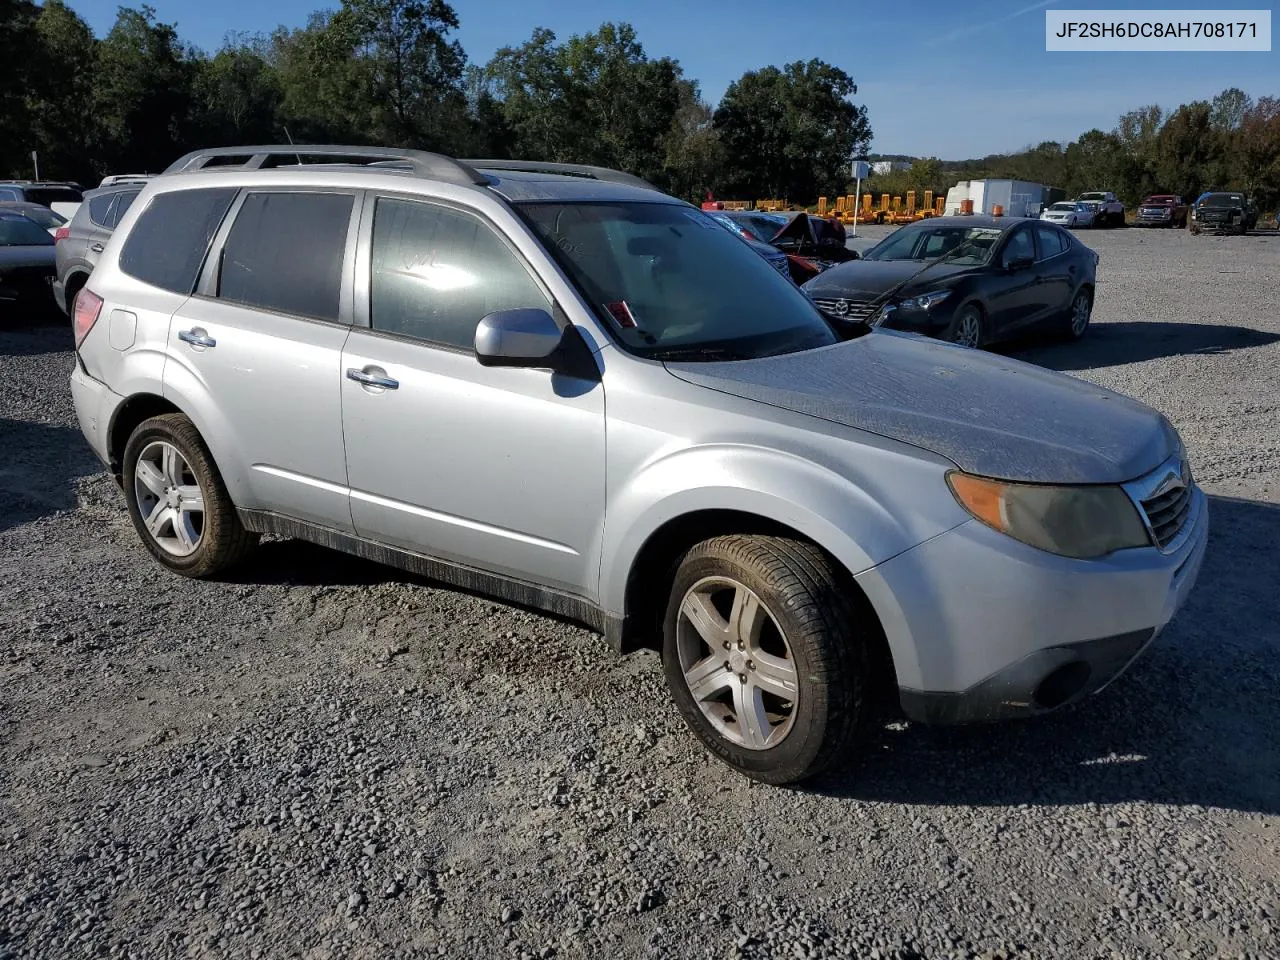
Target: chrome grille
<point>1165,498</point>
<point>845,308</point>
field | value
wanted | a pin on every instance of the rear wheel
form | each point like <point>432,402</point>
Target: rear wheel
<point>764,658</point>
<point>178,502</point>
<point>1078,315</point>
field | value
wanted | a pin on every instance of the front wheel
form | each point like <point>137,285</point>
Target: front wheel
<point>966,328</point>
<point>763,656</point>
<point>178,502</point>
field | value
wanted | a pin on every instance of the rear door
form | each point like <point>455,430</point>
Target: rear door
<point>1055,272</point>
<point>258,349</point>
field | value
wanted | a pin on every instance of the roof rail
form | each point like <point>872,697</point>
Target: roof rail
<point>433,166</point>
<point>564,169</point>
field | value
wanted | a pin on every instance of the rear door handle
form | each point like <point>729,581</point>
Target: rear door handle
<point>379,379</point>
<point>197,337</point>
<point>96,247</point>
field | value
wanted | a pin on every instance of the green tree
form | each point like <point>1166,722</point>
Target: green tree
<point>694,155</point>
<point>18,40</point>
<point>1094,162</point>
<point>142,95</point>
<point>1189,150</point>
<point>1256,151</point>
<point>1229,108</point>
<point>237,94</point>
<point>791,132</point>
<point>62,128</point>
<point>323,86</point>
<point>597,98</point>
<point>412,70</point>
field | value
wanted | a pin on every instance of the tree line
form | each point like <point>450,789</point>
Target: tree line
<point>1231,142</point>
<point>389,72</point>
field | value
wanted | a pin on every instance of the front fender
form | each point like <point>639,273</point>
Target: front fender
<point>857,521</point>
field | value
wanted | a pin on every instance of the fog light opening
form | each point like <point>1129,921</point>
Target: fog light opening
<point>1062,685</point>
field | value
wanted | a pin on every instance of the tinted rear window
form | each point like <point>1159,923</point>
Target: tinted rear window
<point>169,241</point>
<point>285,253</point>
<point>99,208</point>
<point>48,195</point>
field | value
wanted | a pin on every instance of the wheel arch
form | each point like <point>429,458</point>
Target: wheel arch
<point>652,570</point>
<point>126,418</point>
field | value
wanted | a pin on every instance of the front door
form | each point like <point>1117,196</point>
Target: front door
<point>496,468</point>
<point>1014,296</point>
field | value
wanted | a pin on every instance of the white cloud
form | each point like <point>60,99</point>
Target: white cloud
<point>979,27</point>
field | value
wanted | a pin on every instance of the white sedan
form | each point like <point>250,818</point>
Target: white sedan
<point>1069,213</point>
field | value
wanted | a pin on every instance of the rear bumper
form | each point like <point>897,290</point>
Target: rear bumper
<point>982,627</point>
<point>95,406</point>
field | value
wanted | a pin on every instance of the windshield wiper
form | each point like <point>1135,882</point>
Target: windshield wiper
<point>884,297</point>
<point>709,354</point>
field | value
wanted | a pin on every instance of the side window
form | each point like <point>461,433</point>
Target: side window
<point>285,252</point>
<point>1020,246</point>
<point>1050,241</point>
<point>123,202</point>
<point>100,210</point>
<point>438,271</point>
<point>168,243</point>
<point>7,193</point>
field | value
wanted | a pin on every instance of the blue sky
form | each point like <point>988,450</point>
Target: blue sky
<point>944,79</point>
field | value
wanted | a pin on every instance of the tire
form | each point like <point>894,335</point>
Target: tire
<point>1195,230</point>
<point>1074,325</point>
<point>805,626</point>
<point>968,327</point>
<point>193,542</point>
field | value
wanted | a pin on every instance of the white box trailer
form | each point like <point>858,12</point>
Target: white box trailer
<point>1018,198</point>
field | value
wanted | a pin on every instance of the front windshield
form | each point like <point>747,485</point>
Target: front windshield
<point>670,283</point>
<point>1093,196</point>
<point>1158,202</point>
<point>1064,207</point>
<point>1222,200</point>
<point>21,232</point>
<point>930,242</point>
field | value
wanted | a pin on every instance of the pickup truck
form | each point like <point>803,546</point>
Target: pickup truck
<point>1107,210</point>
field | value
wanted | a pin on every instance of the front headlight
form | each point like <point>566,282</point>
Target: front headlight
<point>1077,521</point>
<point>925,300</point>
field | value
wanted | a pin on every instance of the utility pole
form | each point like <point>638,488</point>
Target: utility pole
<point>861,170</point>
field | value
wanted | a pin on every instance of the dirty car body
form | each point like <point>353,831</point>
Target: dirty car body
<point>995,540</point>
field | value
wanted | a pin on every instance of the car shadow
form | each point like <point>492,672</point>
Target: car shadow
<point>1133,341</point>
<point>282,562</point>
<point>1196,721</point>
<point>34,452</point>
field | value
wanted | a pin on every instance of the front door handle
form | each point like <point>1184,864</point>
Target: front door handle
<point>379,379</point>
<point>197,337</point>
<point>96,247</point>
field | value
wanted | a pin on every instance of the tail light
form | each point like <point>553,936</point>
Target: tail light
<point>84,313</point>
<point>62,233</point>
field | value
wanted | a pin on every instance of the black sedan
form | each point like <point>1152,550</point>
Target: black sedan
<point>26,265</point>
<point>969,279</point>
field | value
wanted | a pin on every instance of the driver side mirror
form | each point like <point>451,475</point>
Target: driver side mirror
<point>532,338</point>
<point>1015,263</point>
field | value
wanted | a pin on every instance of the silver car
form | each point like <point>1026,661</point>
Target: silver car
<point>560,387</point>
<point>1069,213</point>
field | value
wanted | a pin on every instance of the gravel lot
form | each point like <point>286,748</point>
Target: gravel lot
<point>325,758</point>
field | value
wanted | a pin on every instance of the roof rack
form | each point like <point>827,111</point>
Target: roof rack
<point>434,166</point>
<point>563,169</point>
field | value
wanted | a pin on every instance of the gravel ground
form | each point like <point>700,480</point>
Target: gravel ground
<point>325,758</point>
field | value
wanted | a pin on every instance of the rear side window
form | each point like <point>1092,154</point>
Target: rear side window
<point>285,252</point>
<point>168,243</point>
<point>1050,241</point>
<point>100,210</point>
<point>123,202</point>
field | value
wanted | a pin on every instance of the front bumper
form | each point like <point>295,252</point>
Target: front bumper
<point>1153,219</point>
<point>982,627</point>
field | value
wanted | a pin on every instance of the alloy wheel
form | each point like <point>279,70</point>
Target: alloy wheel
<point>169,498</point>
<point>737,663</point>
<point>1081,308</point>
<point>968,329</point>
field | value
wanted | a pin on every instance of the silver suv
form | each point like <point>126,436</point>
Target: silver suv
<point>560,387</point>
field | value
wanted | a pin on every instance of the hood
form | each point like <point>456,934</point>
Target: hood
<point>874,277</point>
<point>988,414</point>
